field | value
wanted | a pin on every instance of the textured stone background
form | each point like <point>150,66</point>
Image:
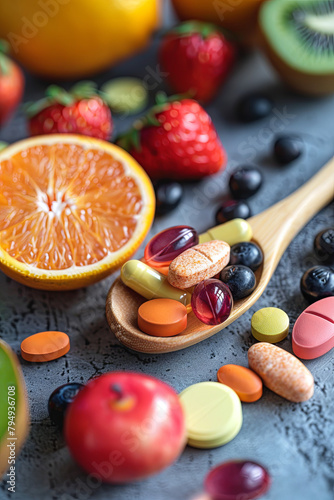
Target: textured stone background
<point>295,441</point>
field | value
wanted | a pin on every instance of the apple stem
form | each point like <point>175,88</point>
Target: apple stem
<point>117,388</point>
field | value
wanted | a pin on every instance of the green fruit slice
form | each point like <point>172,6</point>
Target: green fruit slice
<point>3,145</point>
<point>125,95</point>
<point>299,36</point>
<point>13,407</point>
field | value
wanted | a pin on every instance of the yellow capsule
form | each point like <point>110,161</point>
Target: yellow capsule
<point>233,231</point>
<point>149,283</point>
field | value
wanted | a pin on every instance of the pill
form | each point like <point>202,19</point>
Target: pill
<point>151,284</point>
<point>162,270</point>
<point>281,372</point>
<point>213,414</point>
<point>212,302</point>
<point>45,346</point>
<point>237,480</point>
<point>162,317</point>
<point>232,232</point>
<point>242,380</point>
<point>313,332</point>
<point>168,244</point>
<point>270,324</point>
<point>198,263</point>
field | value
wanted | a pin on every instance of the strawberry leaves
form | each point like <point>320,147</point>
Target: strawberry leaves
<point>59,95</point>
<point>85,90</point>
<point>55,94</point>
<point>130,140</point>
<point>195,27</point>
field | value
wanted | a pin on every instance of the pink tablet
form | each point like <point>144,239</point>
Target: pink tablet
<point>313,333</point>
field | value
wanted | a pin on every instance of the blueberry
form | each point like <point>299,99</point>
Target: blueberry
<point>317,283</point>
<point>168,196</point>
<point>254,107</point>
<point>245,182</point>
<point>232,209</point>
<point>59,401</point>
<point>324,246</point>
<point>240,280</point>
<point>288,149</point>
<point>247,254</point>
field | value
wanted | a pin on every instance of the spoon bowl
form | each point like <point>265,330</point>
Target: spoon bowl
<point>273,230</point>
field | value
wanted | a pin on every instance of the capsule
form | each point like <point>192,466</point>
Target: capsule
<point>149,283</point>
<point>233,231</point>
<point>168,244</point>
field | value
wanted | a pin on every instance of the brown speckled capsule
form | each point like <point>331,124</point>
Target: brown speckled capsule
<point>198,263</point>
<point>281,372</point>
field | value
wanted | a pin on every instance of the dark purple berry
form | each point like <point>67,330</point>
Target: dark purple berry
<point>168,196</point>
<point>247,254</point>
<point>240,280</point>
<point>324,246</point>
<point>59,401</point>
<point>232,209</point>
<point>245,182</point>
<point>317,283</point>
<point>288,149</point>
<point>253,107</point>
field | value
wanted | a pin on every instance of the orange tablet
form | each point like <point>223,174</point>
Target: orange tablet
<point>242,380</point>
<point>45,346</point>
<point>162,317</point>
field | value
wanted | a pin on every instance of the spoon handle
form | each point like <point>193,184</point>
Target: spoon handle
<point>275,228</point>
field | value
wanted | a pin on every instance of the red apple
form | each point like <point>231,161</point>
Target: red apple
<point>125,426</point>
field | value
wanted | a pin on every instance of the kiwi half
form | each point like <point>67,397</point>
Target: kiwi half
<point>298,37</point>
<point>13,403</point>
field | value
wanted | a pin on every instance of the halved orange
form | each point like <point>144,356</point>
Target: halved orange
<point>72,210</point>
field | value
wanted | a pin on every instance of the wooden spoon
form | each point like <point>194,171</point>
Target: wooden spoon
<point>273,230</point>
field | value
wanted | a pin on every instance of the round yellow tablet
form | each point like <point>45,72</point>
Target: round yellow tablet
<point>270,324</point>
<point>213,414</point>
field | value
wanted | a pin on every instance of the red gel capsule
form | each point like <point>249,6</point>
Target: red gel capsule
<point>168,244</point>
<point>212,301</point>
<point>237,479</point>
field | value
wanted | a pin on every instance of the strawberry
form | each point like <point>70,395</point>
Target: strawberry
<point>80,111</point>
<point>175,140</point>
<point>197,58</point>
<point>11,85</point>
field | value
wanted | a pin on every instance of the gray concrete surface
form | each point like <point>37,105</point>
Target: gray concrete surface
<point>295,441</point>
